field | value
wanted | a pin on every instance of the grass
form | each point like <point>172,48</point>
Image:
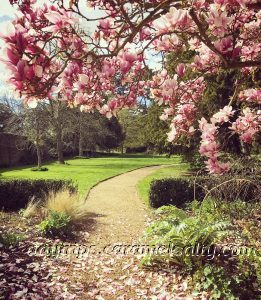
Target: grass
<point>166,172</point>
<point>68,204</point>
<point>87,172</point>
<point>31,210</point>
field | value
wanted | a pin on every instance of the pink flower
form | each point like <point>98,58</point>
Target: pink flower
<point>38,70</point>
<point>83,79</point>
<point>247,125</point>
<point>209,149</point>
<point>251,95</point>
<point>105,110</point>
<point>126,61</point>
<point>181,69</point>
<point>224,45</point>
<point>217,168</point>
<point>223,115</point>
<point>108,70</point>
<point>218,20</point>
<point>59,20</point>
<point>105,24</point>
<point>177,17</point>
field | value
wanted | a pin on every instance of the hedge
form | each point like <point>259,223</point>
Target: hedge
<point>179,191</point>
<point>15,194</point>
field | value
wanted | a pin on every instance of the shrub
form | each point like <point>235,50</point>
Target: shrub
<point>191,239</point>
<point>43,169</point>
<point>175,229</point>
<point>216,281</point>
<point>10,239</point>
<point>55,224</point>
<point>173,191</point>
<point>15,194</point>
<point>180,191</point>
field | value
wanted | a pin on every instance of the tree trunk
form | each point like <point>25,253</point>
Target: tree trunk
<point>59,134</point>
<point>38,147</point>
<point>59,146</point>
<point>39,156</point>
<point>245,148</point>
<point>80,145</point>
<point>80,135</point>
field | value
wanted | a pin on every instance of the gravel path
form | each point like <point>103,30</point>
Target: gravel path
<point>117,214</point>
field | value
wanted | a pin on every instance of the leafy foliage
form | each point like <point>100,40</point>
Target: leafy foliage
<point>215,279</point>
<point>181,191</point>
<point>202,230</point>
<point>55,224</point>
<point>10,239</point>
<point>173,191</point>
<point>184,232</point>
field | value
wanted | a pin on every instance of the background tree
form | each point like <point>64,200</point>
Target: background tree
<point>35,127</point>
<point>154,130</point>
<point>132,122</point>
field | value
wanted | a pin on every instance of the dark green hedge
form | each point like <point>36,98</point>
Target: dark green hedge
<point>15,194</point>
<point>179,191</point>
<point>173,191</point>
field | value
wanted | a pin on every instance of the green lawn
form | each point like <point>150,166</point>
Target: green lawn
<point>166,172</point>
<point>87,172</point>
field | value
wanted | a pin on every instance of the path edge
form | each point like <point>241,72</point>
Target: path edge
<point>113,176</point>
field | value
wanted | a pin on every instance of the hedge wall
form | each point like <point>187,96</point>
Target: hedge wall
<point>179,191</point>
<point>15,194</point>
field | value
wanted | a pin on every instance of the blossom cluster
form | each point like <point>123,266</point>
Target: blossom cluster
<point>247,125</point>
<point>209,146</point>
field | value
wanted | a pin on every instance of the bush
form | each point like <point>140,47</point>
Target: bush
<point>55,224</point>
<point>42,169</point>
<point>217,281</point>
<point>173,191</point>
<point>10,239</point>
<point>175,229</point>
<point>15,194</point>
<point>180,191</point>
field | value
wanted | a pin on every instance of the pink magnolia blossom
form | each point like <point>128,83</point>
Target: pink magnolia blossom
<point>247,125</point>
<point>217,168</point>
<point>223,115</point>
<point>218,20</point>
<point>251,95</point>
<point>181,69</point>
<point>59,20</point>
<point>209,147</point>
<point>105,110</point>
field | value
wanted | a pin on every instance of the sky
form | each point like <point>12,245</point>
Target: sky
<point>8,12</point>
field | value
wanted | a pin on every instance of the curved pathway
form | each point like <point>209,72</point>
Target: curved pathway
<point>117,214</point>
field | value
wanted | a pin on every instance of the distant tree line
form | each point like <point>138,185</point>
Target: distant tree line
<point>56,129</point>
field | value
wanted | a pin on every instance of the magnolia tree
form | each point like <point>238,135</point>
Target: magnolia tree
<point>51,55</point>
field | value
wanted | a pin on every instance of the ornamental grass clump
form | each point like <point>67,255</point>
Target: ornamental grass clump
<point>68,203</point>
